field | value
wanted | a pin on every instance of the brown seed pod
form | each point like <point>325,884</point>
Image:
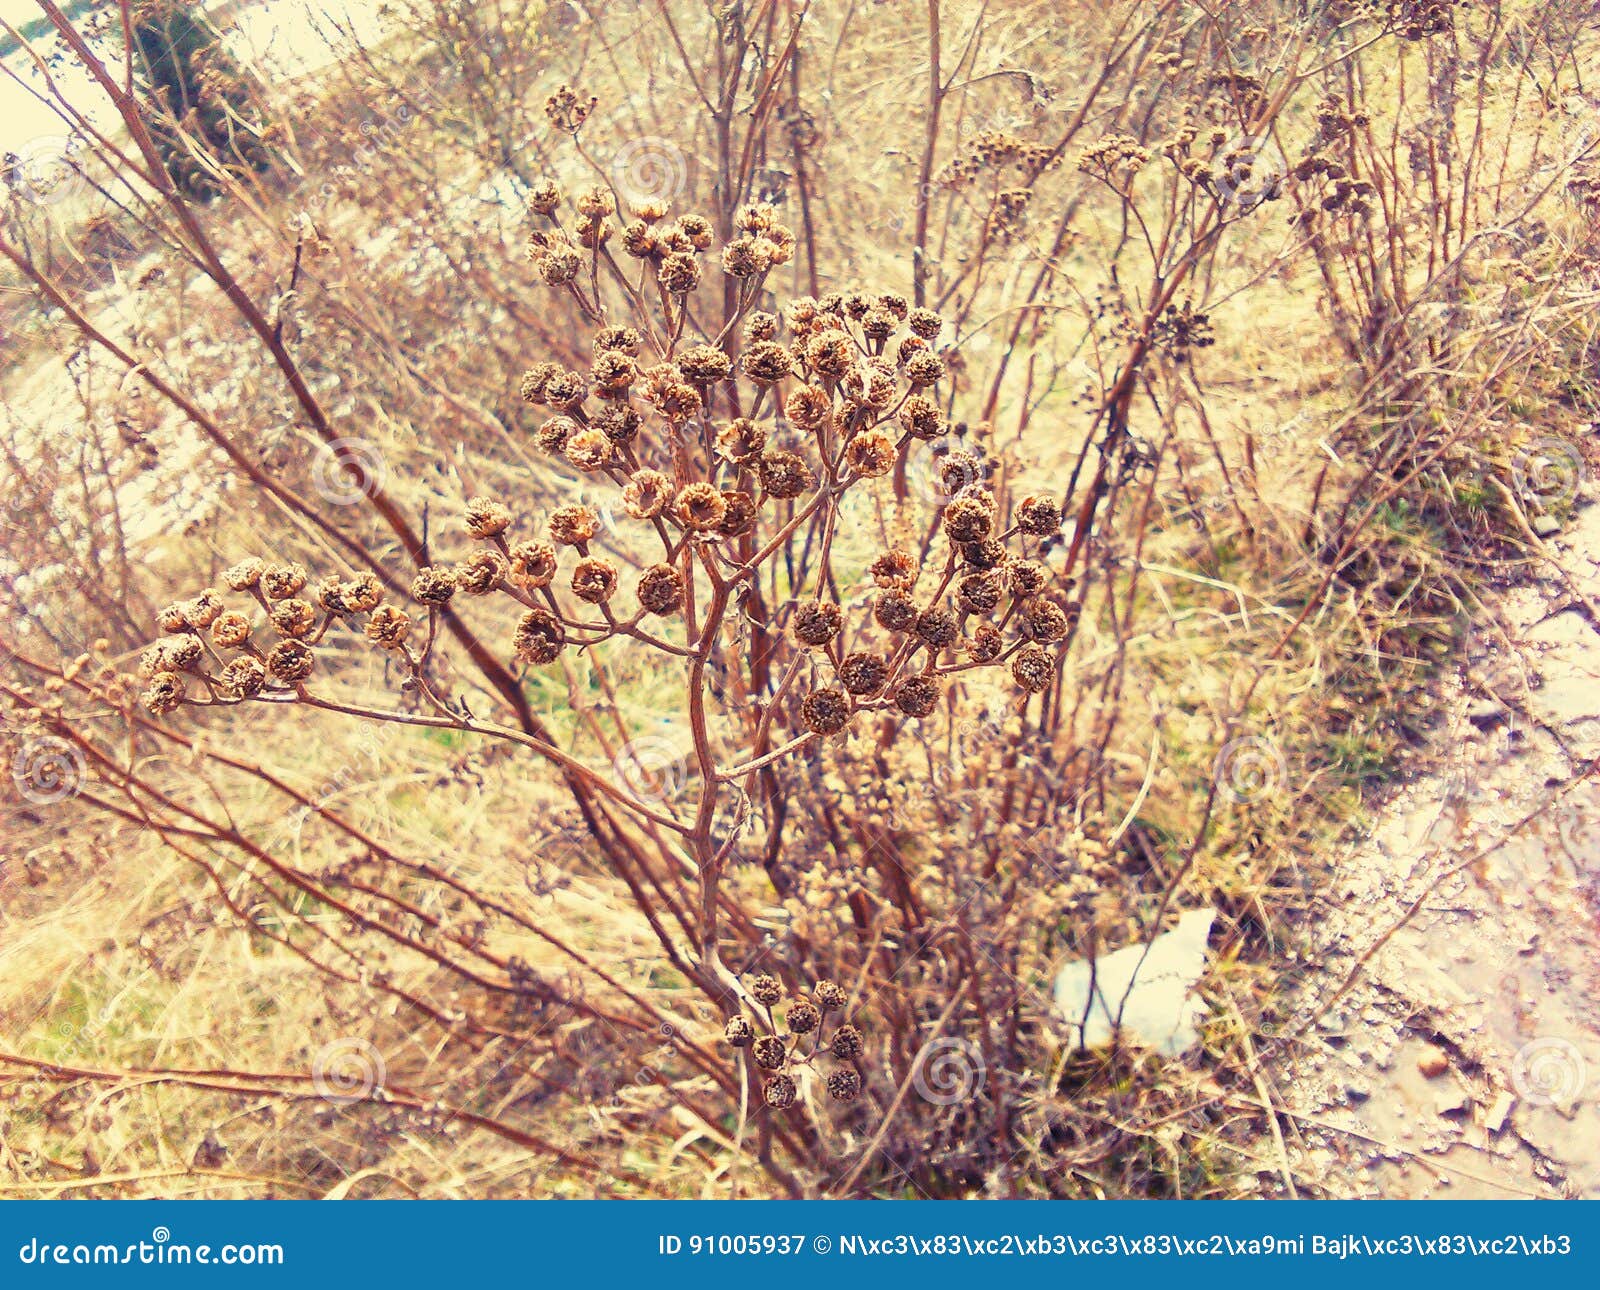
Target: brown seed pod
<point>700,507</point>
<point>817,622</point>
<point>871,454</point>
<point>388,627</point>
<point>481,573</point>
<point>895,610</point>
<point>779,1092</point>
<point>917,696</point>
<point>766,362</point>
<point>830,996</point>
<point>661,590</point>
<point>968,519</point>
<point>738,1032</point>
<point>1034,668</point>
<point>594,580</point>
<point>980,592</point>
<point>290,662</point>
<point>936,628</point>
<point>1044,620</point>
<point>863,674</point>
<point>573,525</point>
<point>740,517</point>
<point>846,1043</point>
<point>646,494</point>
<point>766,989</point>
<point>802,1017</point>
<point>433,586</point>
<point>844,1085</point>
<point>245,575</point>
<point>243,678</point>
<point>533,564</point>
<point>986,643</point>
<point>294,618</point>
<point>487,518</point>
<point>164,693</point>
<point>741,440</point>
<point>783,474</point>
<point>540,637</point>
<point>770,1052</point>
<point>590,450</point>
<point>231,630</point>
<point>1040,516</point>
<point>280,581</point>
<point>1027,578</point>
<point>825,712</point>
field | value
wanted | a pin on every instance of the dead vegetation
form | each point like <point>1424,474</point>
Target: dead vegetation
<point>907,498</point>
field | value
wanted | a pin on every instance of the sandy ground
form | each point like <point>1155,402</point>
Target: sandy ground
<point>1463,1059</point>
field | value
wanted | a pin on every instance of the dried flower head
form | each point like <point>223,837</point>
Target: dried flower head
<point>766,362</point>
<point>661,589</point>
<point>388,627</point>
<point>433,586</point>
<point>231,630</point>
<point>481,572</point>
<point>846,1043</point>
<point>293,618</point>
<point>871,454</point>
<point>705,364</point>
<point>1033,667</point>
<point>863,674</point>
<point>487,518</point>
<point>917,696</point>
<point>740,516</point>
<point>766,989</point>
<point>1044,620</point>
<point>817,622</point>
<point>779,1092</point>
<point>290,662</point>
<point>540,637</point>
<point>770,1052</point>
<point>741,440</point>
<point>646,494</point>
<point>893,569</point>
<point>896,610</point>
<point>825,712</point>
<point>1040,516</point>
<point>783,474</point>
<point>533,564</point>
<point>844,1086</point>
<point>738,1032</point>
<point>590,450</point>
<point>280,581</point>
<point>594,581</point>
<point>830,996</point>
<point>968,519</point>
<point>700,507</point>
<point>573,525</point>
<point>245,575</point>
<point>243,678</point>
<point>986,644</point>
<point>164,693</point>
<point>802,1017</point>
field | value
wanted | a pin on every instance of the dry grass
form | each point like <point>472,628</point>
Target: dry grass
<point>1287,576</point>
